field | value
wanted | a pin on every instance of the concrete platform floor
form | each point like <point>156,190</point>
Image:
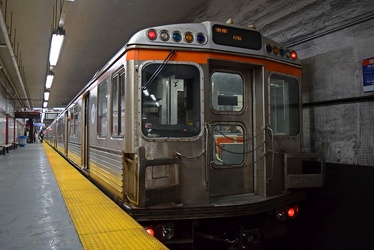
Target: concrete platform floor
<point>33,214</point>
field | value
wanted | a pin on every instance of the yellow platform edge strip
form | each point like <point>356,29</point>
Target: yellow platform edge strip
<point>100,223</point>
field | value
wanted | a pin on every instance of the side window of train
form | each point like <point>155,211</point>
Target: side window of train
<point>76,119</point>
<point>102,109</point>
<point>73,120</point>
<point>284,105</point>
<point>118,104</point>
<point>70,123</point>
<point>227,91</point>
<point>171,100</point>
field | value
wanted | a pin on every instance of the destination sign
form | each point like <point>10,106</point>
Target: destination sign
<point>28,115</point>
<point>236,37</point>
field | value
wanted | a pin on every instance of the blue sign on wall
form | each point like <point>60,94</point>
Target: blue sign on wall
<point>368,74</point>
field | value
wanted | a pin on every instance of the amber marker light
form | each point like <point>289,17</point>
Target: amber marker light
<point>188,37</point>
<point>275,50</point>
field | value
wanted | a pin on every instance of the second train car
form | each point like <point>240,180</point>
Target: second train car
<point>192,124</point>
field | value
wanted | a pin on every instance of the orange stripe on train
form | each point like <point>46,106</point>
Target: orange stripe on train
<point>202,58</point>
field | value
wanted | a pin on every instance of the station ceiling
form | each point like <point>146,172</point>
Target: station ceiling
<point>94,31</point>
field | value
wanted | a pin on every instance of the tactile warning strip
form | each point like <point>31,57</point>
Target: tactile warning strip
<point>100,223</point>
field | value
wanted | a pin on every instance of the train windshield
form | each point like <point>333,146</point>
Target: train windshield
<point>171,101</point>
<point>284,103</point>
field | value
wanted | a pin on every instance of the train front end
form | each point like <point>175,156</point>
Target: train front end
<point>215,115</point>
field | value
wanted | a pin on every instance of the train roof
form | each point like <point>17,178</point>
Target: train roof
<point>208,35</point>
<point>214,36</point>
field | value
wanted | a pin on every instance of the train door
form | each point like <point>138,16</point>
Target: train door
<point>230,129</point>
<point>85,129</point>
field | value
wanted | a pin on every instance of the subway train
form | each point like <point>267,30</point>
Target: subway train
<point>195,130</point>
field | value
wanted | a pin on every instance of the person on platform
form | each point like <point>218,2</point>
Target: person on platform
<point>41,135</point>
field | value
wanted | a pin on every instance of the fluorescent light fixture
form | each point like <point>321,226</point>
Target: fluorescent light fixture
<point>56,44</point>
<point>49,80</point>
<point>153,97</point>
<point>45,104</point>
<point>46,96</point>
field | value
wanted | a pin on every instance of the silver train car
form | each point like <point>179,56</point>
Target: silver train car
<point>194,123</point>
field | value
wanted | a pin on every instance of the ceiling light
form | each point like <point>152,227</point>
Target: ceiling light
<point>45,104</point>
<point>56,44</point>
<point>49,80</point>
<point>46,95</point>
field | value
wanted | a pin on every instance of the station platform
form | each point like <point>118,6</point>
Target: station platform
<point>45,203</point>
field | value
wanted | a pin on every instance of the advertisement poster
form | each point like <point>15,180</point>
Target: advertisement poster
<point>368,74</point>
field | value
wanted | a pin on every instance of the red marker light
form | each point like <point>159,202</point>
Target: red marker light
<point>291,212</point>
<point>293,55</point>
<point>150,231</point>
<point>152,35</point>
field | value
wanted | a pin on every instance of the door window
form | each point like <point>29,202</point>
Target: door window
<point>227,91</point>
<point>228,144</point>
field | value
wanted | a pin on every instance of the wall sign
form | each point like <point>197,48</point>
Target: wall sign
<point>368,74</point>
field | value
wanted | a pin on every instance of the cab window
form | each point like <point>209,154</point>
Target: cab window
<point>171,101</point>
<point>284,105</point>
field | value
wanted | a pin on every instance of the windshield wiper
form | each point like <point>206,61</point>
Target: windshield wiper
<point>159,69</point>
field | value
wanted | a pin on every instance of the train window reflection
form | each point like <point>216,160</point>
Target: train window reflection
<point>118,104</point>
<point>228,144</point>
<point>102,120</point>
<point>171,101</point>
<point>73,120</point>
<point>227,91</point>
<point>284,105</point>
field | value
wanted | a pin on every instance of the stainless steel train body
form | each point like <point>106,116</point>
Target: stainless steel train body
<point>189,122</point>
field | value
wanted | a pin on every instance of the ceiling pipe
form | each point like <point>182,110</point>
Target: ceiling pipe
<point>9,46</point>
<point>9,82</point>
